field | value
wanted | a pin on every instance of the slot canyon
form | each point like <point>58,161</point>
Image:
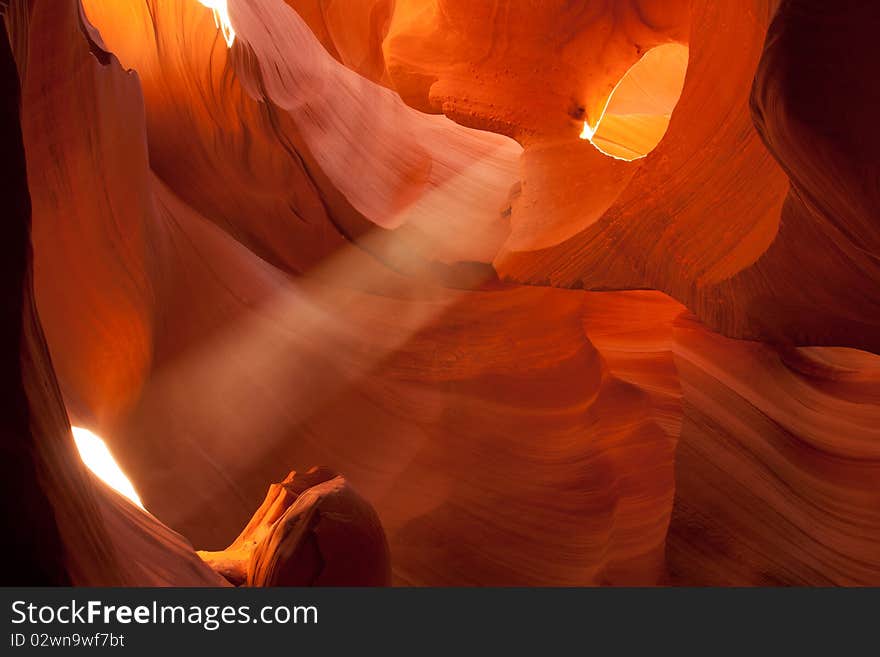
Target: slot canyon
<point>441,292</point>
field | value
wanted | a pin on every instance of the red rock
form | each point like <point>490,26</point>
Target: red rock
<point>311,530</point>
<point>372,237</point>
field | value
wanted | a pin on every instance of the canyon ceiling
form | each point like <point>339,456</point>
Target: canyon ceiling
<point>551,293</point>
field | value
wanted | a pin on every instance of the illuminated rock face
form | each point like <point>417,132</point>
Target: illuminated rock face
<point>717,215</point>
<point>311,530</point>
<point>423,244</point>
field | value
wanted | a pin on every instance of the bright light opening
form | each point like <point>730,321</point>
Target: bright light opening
<point>95,454</point>
<point>587,132</point>
<point>221,19</point>
<point>640,107</point>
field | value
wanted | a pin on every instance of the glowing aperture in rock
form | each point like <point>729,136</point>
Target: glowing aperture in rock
<point>95,454</point>
<point>588,132</point>
<point>221,19</point>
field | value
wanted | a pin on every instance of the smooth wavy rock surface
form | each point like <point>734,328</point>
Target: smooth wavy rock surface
<point>387,238</point>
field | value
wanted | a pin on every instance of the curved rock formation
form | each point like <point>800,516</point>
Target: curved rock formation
<point>709,217</point>
<point>311,530</point>
<point>570,293</point>
<point>777,465</point>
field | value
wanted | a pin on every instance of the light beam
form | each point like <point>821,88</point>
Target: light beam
<point>96,455</point>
